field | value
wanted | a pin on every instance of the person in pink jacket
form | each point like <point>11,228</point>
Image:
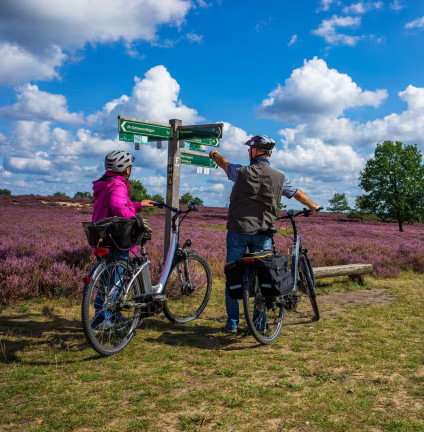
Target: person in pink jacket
<point>112,198</point>
<point>112,190</point>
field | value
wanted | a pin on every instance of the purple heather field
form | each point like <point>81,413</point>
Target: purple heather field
<point>43,250</point>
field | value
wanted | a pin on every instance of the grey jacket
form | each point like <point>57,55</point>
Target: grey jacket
<point>254,198</point>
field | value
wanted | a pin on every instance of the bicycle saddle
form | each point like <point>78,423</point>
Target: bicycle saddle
<point>261,254</point>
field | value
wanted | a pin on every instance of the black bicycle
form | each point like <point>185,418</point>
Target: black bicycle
<point>118,293</point>
<point>265,315</point>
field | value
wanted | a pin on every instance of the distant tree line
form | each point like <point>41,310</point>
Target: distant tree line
<point>393,182</point>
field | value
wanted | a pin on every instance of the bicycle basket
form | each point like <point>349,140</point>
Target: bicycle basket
<point>117,232</point>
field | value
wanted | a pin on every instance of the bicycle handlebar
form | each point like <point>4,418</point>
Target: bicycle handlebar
<point>292,214</point>
<point>191,207</point>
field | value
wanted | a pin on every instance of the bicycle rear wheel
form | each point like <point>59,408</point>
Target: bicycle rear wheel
<point>264,315</point>
<point>109,322</point>
<point>307,284</point>
<point>188,289</point>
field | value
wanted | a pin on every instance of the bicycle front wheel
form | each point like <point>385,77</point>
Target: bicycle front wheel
<point>264,315</point>
<point>307,284</point>
<point>109,321</point>
<point>188,289</point>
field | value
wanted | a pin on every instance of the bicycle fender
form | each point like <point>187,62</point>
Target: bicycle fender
<point>99,267</point>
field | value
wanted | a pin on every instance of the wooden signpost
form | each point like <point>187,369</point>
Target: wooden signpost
<point>197,137</point>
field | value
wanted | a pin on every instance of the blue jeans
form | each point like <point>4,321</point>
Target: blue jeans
<point>237,244</point>
<point>107,283</point>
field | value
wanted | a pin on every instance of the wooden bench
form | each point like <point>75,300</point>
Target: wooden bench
<point>354,271</point>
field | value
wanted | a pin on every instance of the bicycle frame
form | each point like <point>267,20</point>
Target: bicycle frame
<point>297,244</point>
<point>145,270</point>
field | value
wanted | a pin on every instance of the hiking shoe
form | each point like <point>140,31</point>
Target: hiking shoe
<point>228,330</point>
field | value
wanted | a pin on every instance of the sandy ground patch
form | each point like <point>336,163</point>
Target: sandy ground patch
<point>359,297</point>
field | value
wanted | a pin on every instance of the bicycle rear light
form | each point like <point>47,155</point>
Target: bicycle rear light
<point>101,252</point>
<point>86,279</point>
<point>248,260</point>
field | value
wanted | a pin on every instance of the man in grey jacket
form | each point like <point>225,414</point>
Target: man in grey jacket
<point>254,201</point>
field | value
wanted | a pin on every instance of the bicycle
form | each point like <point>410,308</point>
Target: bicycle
<point>265,315</point>
<point>118,293</point>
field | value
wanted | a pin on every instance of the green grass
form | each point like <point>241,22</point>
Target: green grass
<point>361,368</point>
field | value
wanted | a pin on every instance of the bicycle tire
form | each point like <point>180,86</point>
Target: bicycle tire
<point>264,329</point>
<point>184,301</point>
<point>109,334</point>
<point>307,281</point>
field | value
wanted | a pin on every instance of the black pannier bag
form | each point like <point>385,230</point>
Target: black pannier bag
<point>274,276</point>
<point>237,276</point>
<point>234,279</point>
<point>117,232</point>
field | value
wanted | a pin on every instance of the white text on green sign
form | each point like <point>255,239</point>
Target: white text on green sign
<point>200,131</point>
<point>197,160</point>
<point>212,142</point>
<point>147,129</point>
<point>195,147</point>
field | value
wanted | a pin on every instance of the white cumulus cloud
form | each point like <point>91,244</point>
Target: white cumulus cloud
<point>293,40</point>
<point>328,29</point>
<point>33,35</point>
<point>415,24</point>
<point>362,7</point>
<point>315,91</point>
<point>315,158</point>
<point>155,98</point>
<point>19,65</point>
<point>34,104</point>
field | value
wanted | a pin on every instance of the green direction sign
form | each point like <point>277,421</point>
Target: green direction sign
<point>212,142</point>
<point>126,137</point>
<point>200,131</point>
<point>198,160</point>
<point>195,147</point>
<point>154,131</point>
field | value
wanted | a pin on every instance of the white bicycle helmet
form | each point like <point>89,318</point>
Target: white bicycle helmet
<point>262,142</point>
<point>118,160</point>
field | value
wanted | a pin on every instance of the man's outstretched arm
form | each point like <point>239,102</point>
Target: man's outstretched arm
<point>305,200</point>
<point>219,159</point>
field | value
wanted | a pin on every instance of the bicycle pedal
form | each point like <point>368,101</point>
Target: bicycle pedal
<point>142,297</point>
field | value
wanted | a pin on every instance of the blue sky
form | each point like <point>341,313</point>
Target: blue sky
<point>327,79</point>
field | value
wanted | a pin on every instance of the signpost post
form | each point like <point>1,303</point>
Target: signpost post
<point>172,181</point>
<point>197,136</point>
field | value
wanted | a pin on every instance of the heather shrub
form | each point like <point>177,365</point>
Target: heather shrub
<point>43,249</point>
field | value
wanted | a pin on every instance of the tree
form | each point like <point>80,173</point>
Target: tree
<point>5,192</point>
<point>83,195</point>
<point>138,192</point>
<point>187,198</point>
<point>281,206</point>
<point>394,182</point>
<point>60,194</point>
<point>338,203</point>
<point>197,201</point>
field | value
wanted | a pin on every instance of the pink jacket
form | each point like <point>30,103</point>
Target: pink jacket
<point>112,197</point>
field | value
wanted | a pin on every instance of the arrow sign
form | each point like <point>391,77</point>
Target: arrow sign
<point>197,160</point>
<point>212,142</point>
<point>194,146</point>
<point>156,131</point>
<point>200,131</point>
